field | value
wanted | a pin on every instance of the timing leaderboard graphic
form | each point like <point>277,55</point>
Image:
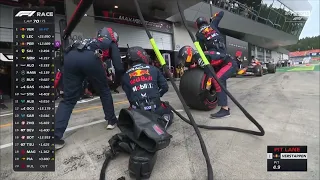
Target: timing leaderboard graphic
<point>287,158</point>
<point>34,106</point>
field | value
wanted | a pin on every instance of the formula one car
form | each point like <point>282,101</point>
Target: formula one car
<point>257,68</point>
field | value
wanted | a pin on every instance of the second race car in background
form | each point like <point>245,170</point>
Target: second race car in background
<point>257,68</point>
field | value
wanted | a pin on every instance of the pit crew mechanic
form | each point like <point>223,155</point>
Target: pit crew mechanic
<point>84,59</point>
<point>144,84</point>
<point>213,44</point>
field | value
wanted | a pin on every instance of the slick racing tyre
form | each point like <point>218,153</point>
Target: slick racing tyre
<point>271,68</point>
<point>192,84</point>
<point>257,70</point>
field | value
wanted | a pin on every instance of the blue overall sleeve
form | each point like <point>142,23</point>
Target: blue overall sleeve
<point>162,83</point>
<point>201,41</point>
<point>125,86</point>
<point>116,58</point>
<point>216,20</point>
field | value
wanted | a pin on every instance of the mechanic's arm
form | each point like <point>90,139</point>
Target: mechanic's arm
<point>162,83</point>
<point>201,42</point>
<point>125,86</point>
<point>216,19</point>
<point>116,58</point>
<point>217,61</point>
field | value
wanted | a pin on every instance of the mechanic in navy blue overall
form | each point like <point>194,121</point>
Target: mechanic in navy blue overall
<point>85,59</point>
<point>213,45</point>
<point>144,84</point>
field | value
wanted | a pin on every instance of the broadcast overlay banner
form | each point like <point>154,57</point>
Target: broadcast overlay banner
<point>287,158</point>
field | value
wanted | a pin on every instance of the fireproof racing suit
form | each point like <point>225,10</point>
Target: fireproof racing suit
<point>83,60</point>
<point>144,85</point>
<point>213,44</point>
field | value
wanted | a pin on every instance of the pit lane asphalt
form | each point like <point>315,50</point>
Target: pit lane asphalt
<point>285,104</point>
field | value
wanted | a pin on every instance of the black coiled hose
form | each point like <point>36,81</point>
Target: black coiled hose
<point>257,133</point>
<point>109,155</point>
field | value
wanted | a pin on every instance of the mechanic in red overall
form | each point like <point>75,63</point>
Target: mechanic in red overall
<point>83,59</point>
<point>213,44</point>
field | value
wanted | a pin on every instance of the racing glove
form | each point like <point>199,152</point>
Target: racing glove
<point>199,60</point>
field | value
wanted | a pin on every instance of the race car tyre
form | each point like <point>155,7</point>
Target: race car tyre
<point>192,84</point>
<point>257,70</point>
<point>271,68</point>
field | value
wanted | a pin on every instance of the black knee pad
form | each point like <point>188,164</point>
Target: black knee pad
<point>141,163</point>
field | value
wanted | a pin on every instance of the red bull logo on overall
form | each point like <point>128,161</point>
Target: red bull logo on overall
<point>140,79</point>
<point>139,72</point>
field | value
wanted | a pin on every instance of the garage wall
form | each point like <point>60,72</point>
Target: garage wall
<point>275,56</point>
<point>136,36</point>
<point>181,36</point>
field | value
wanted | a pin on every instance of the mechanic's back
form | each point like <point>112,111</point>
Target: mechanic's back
<point>143,81</point>
<point>209,36</point>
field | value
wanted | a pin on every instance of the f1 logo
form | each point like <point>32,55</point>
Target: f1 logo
<point>25,13</point>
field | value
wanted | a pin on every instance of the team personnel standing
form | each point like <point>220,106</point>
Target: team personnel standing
<point>144,84</point>
<point>213,43</point>
<point>85,59</point>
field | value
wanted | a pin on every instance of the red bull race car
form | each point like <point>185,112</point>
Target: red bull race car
<point>257,68</point>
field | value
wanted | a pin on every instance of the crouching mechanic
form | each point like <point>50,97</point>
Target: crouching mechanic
<point>84,59</point>
<point>213,44</point>
<point>144,84</point>
<point>224,69</point>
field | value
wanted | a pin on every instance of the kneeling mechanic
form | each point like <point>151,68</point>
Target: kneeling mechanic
<point>144,84</point>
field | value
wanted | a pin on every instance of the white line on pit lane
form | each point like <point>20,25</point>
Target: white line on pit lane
<point>79,102</point>
<point>74,128</point>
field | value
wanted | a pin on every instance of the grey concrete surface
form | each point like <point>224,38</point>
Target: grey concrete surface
<point>285,104</point>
